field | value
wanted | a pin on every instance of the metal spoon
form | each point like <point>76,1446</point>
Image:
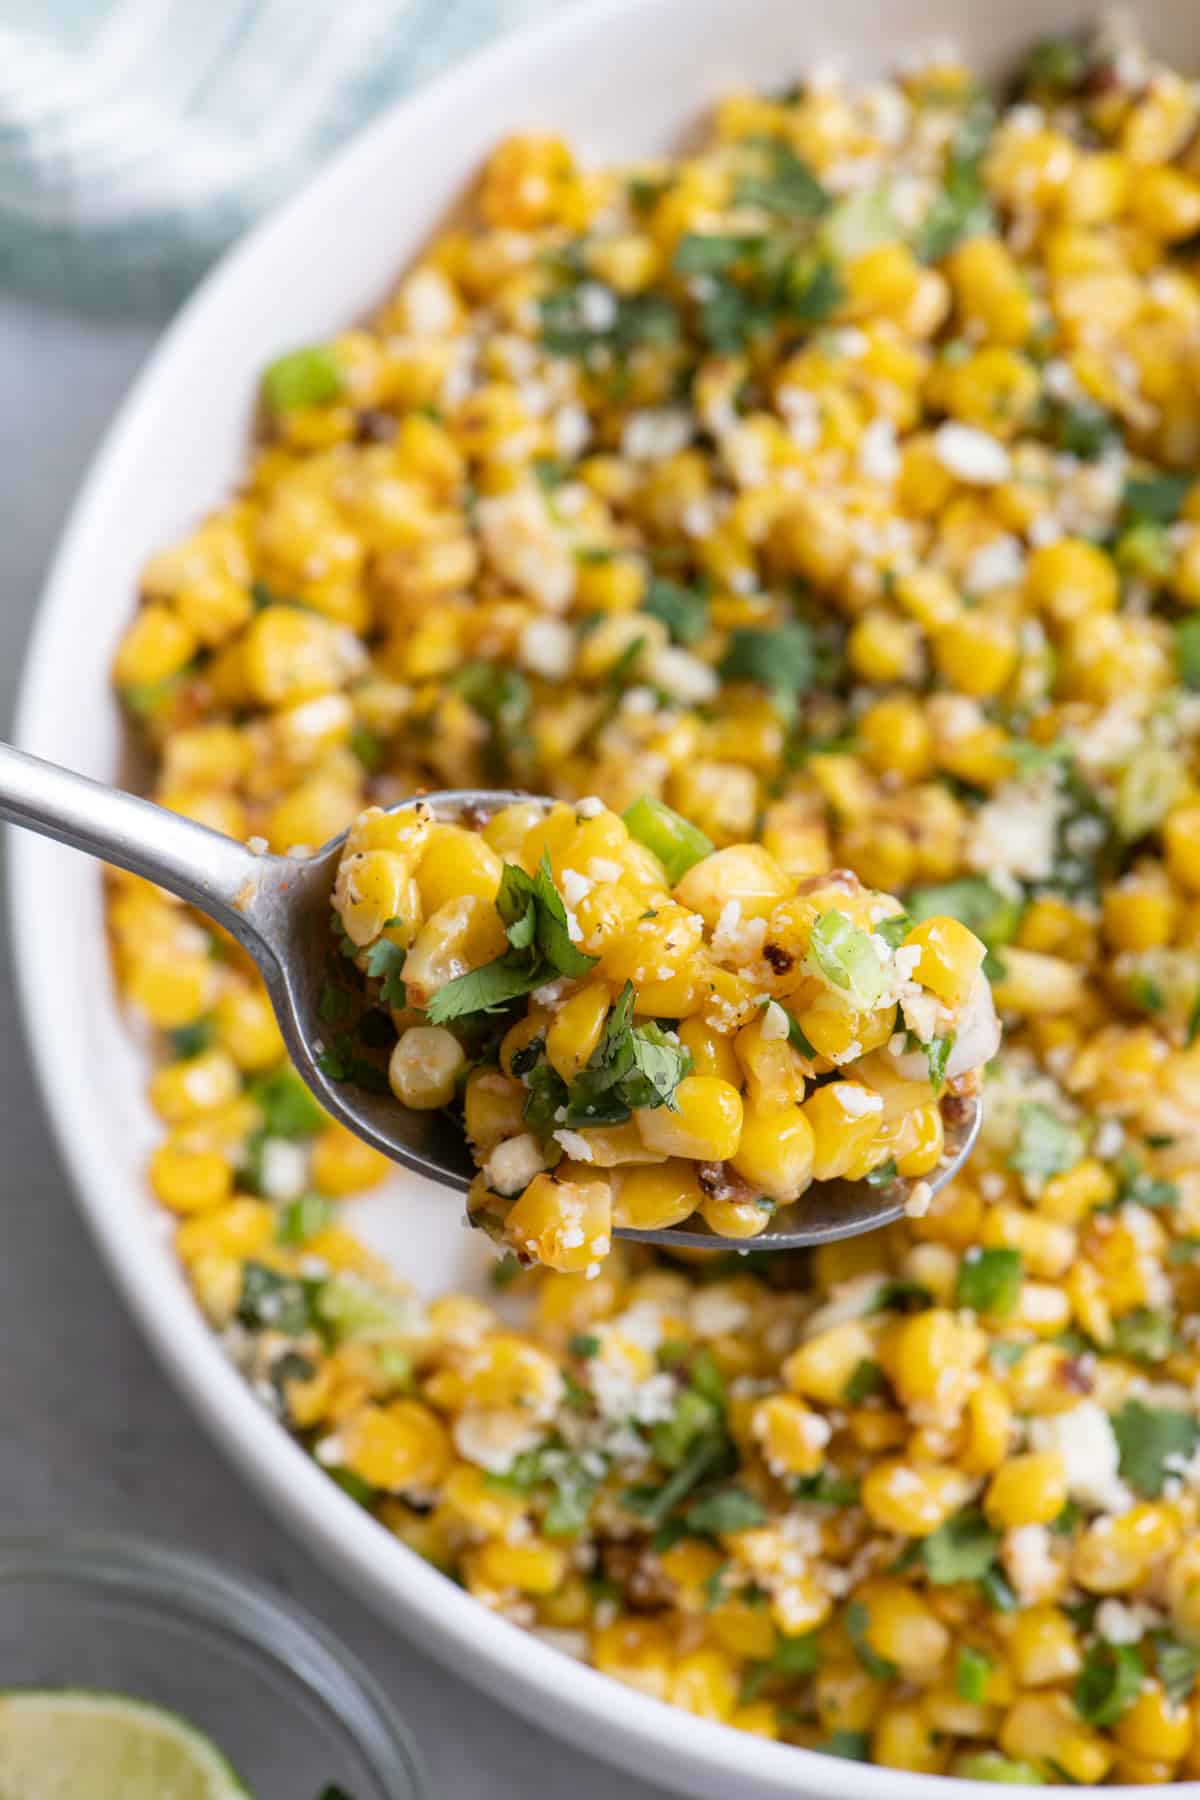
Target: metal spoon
<point>278,909</point>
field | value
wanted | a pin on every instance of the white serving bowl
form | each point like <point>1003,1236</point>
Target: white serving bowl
<point>620,78</point>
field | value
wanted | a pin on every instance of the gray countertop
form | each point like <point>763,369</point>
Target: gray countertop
<point>95,1438</point>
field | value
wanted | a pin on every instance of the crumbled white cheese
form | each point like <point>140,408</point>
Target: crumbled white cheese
<point>684,676</point>
<point>602,868</point>
<point>1000,563</point>
<point>1029,1562</point>
<point>1118,1623</point>
<point>878,451</point>
<point>590,807</point>
<point>971,455</point>
<point>714,1312</point>
<point>572,429</point>
<point>597,306</point>
<point>574,928</point>
<point>283,1170</point>
<point>774,1023</point>
<point>513,1164</point>
<point>493,1439</point>
<point>857,1102</point>
<point>1085,1440</point>
<point>656,433</point>
<point>574,886</point>
<point>920,1197</point>
<point>847,1300</point>
<point>654,1400</point>
<point>1016,832</point>
<point>547,647</point>
<point>577,1147</point>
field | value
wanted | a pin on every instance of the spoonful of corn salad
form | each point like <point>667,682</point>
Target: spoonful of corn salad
<point>590,1023</point>
<point>622,1030</point>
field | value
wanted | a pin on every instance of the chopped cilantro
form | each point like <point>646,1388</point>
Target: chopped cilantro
<point>502,699</point>
<point>504,1271</point>
<point>798,1041</point>
<point>683,610</point>
<point>883,1174</point>
<point>190,1040</point>
<point>782,661</point>
<point>963,1549</point>
<point>854,1746</point>
<point>633,1066</point>
<point>1056,66</point>
<point>584,1344</point>
<point>270,1301</point>
<point>1177,1666</point>
<point>335,1005</point>
<point>655,1503</point>
<point>385,963</point>
<point>367,745</point>
<point>816,290</point>
<point>535,919</point>
<point>989,1281</point>
<point>1046,1145</point>
<point>708,253</point>
<point>1155,499</point>
<point>866,1378</point>
<point>894,930</point>
<point>990,1765</point>
<point>1079,427</point>
<point>1108,1683</point>
<point>826,1489</point>
<point>1184,1250</point>
<point>975,903</point>
<point>1135,1184</point>
<point>638,320</point>
<point>1144,1335</point>
<point>961,208</point>
<point>545,1099</point>
<point>727,1509</point>
<point>857,1621</point>
<point>288,1109</point>
<point>1187,650</point>
<point>997,1590</point>
<point>780,182</point>
<point>1151,1440</point>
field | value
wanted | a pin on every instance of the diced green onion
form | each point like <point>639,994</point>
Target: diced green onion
<point>678,845</point>
<point>306,377</point>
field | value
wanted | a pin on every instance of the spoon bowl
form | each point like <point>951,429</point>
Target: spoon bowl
<point>278,909</point>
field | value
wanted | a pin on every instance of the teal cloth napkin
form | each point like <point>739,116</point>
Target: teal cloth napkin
<point>137,137</point>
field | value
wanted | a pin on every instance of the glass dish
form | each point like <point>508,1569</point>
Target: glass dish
<point>283,1701</point>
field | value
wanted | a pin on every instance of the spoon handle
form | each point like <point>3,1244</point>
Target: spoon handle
<point>212,872</point>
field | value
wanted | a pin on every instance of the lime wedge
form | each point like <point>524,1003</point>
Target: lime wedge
<point>62,1745</point>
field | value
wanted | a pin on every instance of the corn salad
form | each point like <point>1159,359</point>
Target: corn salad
<point>834,486</point>
<point>571,924</point>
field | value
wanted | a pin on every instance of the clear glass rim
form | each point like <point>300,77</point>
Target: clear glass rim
<point>192,1585</point>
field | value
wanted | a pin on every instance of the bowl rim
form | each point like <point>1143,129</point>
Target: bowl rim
<point>189,1586</point>
<point>609,1719</point>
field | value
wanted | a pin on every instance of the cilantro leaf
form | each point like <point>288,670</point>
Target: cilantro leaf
<point>544,1101</point>
<point>1108,1683</point>
<point>963,1549</point>
<point>303,1218</point>
<point>989,1281</point>
<point>826,1489</point>
<point>975,903</point>
<point>1177,1666</point>
<point>972,1672</point>
<point>937,1055</point>
<point>1150,1440</point>
<point>288,1109</point>
<point>781,660</point>
<point>484,990</point>
<point>708,253</point>
<point>385,961</point>
<point>727,1509</point>
<point>961,208</point>
<point>1155,499</point>
<point>683,610</point>
<point>780,182</point>
<point>866,1378</point>
<point>1046,1145</point>
<point>857,1621</point>
<point>631,1067</point>
<point>553,936</point>
<point>1144,1335</point>
<point>1187,650</point>
<point>854,1746</point>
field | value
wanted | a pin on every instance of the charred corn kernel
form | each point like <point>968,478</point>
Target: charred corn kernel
<point>424,1067</point>
<point>289,655</point>
<point>1046,1729</point>
<point>1113,1562</point>
<point>184,1090</point>
<point>637,1651</point>
<point>846,1697</point>
<point>396,1447</point>
<point>904,1738</point>
<point>1028,1490</point>
<point>705,1121</point>
<point>912,1502</point>
<point>902,1628</point>
<point>1071,580</point>
<point>245,1026</point>
<point>821,1368</point>
<point>1047,1248</point>
<point>1139,915</point>
<point>156,646</point>
<point>843,1118</point>
<point>1155,1727</point>
<point>576,1029</point>
<point>895,735</point>
<point>989,291</point>
<point>343,1164</point>
<point>241,1228</point>
<point>531,1565</point>
<point>950,958</point>
<point>456,862</point>
<point>712,1052</point>
<point>649,1199</point>
<point>986,1427</point>
<point>1042,1648</point>
<point>792,1436</point>
<point>1181,837</point>
<point>373,888</point>
<point>460,936</point>
<point>705,1682</point>
<point>565,1224</point>
<point>493,1108</point>
<point>775,1150</point>
<point>190,1181</point>
<point>931,1357</point>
